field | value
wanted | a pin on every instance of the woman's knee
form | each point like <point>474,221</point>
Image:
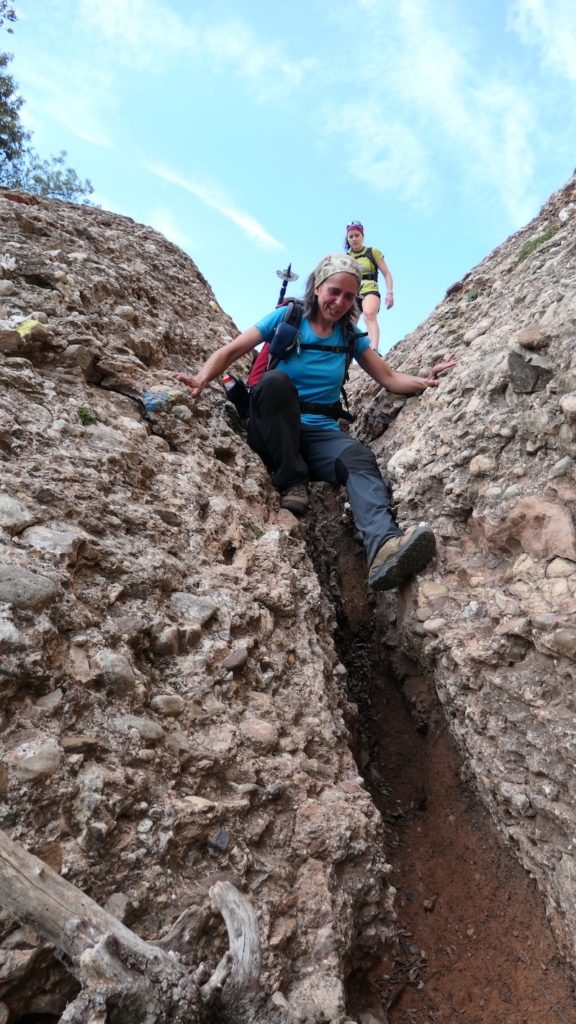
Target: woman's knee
<point>274,389</point>
<point>371,316</point>
<point>357,458</point>
<point>370,307</point>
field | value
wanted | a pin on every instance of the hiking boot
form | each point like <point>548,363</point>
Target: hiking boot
<point>296,499</point>
<point>402,557</point>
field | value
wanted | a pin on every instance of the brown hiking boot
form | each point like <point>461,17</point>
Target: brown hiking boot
<point>296,499</point>
<point>402,557</point>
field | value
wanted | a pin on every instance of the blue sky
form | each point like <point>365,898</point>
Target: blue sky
<point>250,134</point>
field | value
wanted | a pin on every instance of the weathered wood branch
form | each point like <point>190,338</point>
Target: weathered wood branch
<point>118,970</point>
<point>243,937</point>
<point>58,911</point>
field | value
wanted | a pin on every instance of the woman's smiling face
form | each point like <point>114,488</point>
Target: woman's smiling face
<point>336,296</point>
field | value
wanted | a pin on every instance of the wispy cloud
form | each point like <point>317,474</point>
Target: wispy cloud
<point>211,196</point>
<point>383,153</point>
<point>143,33</point>
<point>147,33</point>
<point>80,101</point>
<point>435,106</point>
<point>261,62</point>
<point>409,100</point>
<point>550,27</point>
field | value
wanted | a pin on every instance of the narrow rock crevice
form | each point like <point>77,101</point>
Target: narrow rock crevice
<point>472,941</point>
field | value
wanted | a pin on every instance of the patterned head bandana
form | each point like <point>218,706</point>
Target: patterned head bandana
<point>336,263</point>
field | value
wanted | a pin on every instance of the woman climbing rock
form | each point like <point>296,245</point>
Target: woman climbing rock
<point>370,261</point>
<point>295,407</point>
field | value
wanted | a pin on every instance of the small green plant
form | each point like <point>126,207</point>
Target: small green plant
<point>473,295</point>
<point>529,247</point>
<point>86,415</point>
<point>257,531</point>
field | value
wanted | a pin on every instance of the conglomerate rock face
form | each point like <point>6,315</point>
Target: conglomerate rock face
<point>489,460</point>
<point>173,711</point>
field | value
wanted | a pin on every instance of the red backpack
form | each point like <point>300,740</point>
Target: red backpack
<point>284,340</point>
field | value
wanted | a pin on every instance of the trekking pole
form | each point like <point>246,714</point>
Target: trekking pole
<point>286,275</point>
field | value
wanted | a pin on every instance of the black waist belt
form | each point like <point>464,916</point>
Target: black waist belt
<point>336,411</point>
<point>370,277</point>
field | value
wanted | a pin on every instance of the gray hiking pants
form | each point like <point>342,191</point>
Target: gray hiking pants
<point>295,453</point>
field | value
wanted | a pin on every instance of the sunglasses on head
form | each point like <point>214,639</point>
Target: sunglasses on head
<point>355,224</point>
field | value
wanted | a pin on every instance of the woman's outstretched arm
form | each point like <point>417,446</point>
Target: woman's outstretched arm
<point>401,383</point>
<point>221,360</point>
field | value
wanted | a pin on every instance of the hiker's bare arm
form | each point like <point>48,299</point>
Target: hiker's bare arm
<point>400,383</point>
<point>389,300</point>
<point>221,360</point>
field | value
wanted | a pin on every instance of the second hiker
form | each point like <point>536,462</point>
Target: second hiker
<point>370,261</point>
<point>294,411</point>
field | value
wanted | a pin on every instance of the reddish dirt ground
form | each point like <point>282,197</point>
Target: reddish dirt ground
<point>474,943</point>
<point>477,947</point>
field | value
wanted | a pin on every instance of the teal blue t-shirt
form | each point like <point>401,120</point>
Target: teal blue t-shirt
<point>316,375</point>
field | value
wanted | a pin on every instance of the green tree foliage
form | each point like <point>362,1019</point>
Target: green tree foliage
<point>44,177</point>
<point>12,134</point>
<point>20,165</point>
<point>7,13</point>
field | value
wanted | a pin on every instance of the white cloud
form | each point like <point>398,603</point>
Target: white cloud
<point>506,128</point>
<point>408,99</point>
<point>80,101</point>
<point>550,27</point>
<point>434,109</point>
<point>149,34</point>
<point>483,122</point>
<point>263,64</point>
<point>144,33</point>
<point>211,196</point>
<point>387,155</point>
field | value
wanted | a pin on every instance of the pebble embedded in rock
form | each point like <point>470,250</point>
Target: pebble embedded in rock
<point>24,589</point>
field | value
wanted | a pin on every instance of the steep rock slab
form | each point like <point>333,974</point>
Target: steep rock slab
<point>489,460</point>
<point>173,709</point>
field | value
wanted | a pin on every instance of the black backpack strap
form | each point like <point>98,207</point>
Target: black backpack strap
<point>352,337</point>
<point>294,312</point>
<point>286,336</point>
<point>336,411</point>
<point>370,255</point>
<point>323,348</point>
